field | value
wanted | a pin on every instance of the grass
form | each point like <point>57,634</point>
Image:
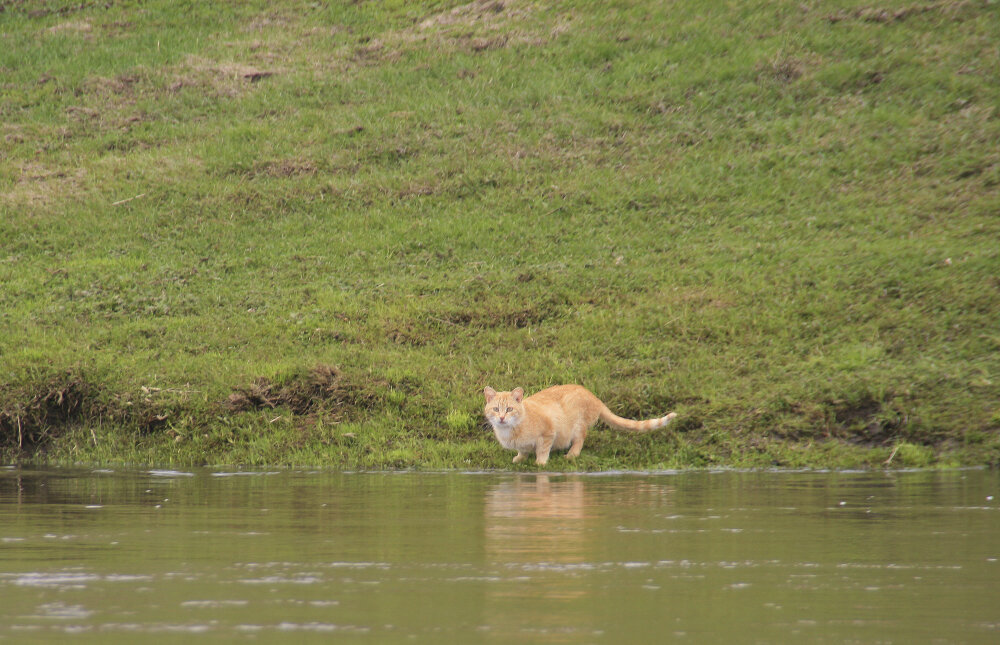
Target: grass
<point>310,233</point>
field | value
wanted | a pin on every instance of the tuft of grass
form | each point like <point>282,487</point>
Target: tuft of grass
<point>459,421</point>
<point>914,456</point>
<point>777,219</point>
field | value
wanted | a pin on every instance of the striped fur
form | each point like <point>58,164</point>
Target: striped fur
<point>555,418</point>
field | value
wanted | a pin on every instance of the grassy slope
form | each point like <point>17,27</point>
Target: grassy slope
<point>779,219</point>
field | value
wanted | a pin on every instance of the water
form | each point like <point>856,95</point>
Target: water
<point>99,556</point>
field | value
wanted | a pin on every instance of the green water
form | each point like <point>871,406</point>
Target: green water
<point>97,556</point>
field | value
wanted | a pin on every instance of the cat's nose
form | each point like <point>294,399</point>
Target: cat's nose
<point>501,419</point>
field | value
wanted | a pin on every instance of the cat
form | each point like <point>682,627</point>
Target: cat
<point>557,417</point>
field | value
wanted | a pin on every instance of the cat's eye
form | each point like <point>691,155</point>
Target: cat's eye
<point>509,409</point>
<point>496,409</point>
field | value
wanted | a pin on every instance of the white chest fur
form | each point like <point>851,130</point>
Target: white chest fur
<point>507,436</point>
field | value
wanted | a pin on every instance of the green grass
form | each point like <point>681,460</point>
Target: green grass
<point>778,219</point>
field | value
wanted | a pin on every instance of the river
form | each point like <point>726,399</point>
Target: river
<point>206,556</point>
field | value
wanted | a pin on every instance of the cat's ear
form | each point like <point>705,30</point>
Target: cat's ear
<point>517,393</point>
<point>489,392</point>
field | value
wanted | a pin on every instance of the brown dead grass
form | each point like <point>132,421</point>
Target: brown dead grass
<point>323,389</point>
<point>41,185</point>
<point>477,12</point>
<point>121,85</point>
<point>483,25</point>
<point>28,416</point>
<point>41,409</point>
<point>71,27</point>
<point>417,189</point>
<point>695,298</point>
<point>898,14</point>
<point>283,168</point>
<point>495,315</point>
<point>781,69</point>
<point>272,20</point>
<point>281,42</point>
<point>220,79</point>
<point>474,27</point>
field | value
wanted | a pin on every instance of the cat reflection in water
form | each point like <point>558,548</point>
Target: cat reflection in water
<point>557,417</point>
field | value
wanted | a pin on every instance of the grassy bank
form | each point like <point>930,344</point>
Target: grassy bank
<point>310,233</point>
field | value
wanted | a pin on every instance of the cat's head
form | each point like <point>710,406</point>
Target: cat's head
<point>504,409</point>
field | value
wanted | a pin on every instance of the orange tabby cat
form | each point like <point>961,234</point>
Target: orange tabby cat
<point>557,417</point>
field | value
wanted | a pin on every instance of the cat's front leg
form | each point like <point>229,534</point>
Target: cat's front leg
<point>542,449</point>
<point>520,457</point>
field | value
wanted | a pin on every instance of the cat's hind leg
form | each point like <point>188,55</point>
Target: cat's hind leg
<point>519,457</point>
<point>576,442</point>
<point>576,446</point>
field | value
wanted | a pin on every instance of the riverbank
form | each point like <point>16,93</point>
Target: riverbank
<point>295,235</point>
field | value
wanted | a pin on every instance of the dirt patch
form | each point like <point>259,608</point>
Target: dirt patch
<point>868,79</point>
<point>283,168</point>
<point>33,11</point>
<point>323,389</point>
<point>230,70</point>
<point>407,333</point>
<point>374,50</point>
<point>417,189</point>
<point>495,316</point>
<point>866,421</point>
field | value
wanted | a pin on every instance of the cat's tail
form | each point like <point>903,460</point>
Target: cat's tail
<point>615,421</point>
